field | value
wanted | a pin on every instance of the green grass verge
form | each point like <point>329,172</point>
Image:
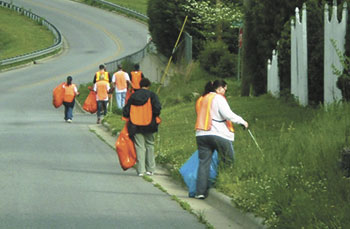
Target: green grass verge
<point>137,5</point>
<point>294,182</point>
<point>20,35</point>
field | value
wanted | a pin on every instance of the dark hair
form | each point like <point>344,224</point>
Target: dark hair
<point>136,66</point>
<point>219,83</point>
<point>145,82</point>
<point>101,67</point>
<point>69,80</point>
<point>208,88</point>
<point>120,67</point>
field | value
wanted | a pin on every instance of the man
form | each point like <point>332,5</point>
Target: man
<point>135,77</point>
<point>101,88</point>
<point>121,81</point>
<point>102,72</point>
<point>142,111</point>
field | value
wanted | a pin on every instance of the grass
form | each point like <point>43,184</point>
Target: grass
<point>137,5</point>
<point>20,35</point>
<point>294,182</point>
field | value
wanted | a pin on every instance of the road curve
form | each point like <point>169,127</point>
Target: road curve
<point>59,175</point>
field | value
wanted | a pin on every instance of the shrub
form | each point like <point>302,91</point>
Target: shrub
<point>217,60</point>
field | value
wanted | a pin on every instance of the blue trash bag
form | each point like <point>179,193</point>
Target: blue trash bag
<point>190,169</point>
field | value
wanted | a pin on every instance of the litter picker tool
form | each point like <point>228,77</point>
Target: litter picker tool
<point>171,57</point>
<point>256,143</point>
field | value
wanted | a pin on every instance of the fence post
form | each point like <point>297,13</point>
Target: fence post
<point>273,81</point>
<point>299,70</point>
<point>333,30</point>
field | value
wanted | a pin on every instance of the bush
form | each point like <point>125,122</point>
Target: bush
<point>217,60</point>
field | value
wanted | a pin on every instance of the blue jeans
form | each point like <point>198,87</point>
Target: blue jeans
<point>206,146</point>
<point>101,105</point>
<point>68,110</point>
<point>120,98</point>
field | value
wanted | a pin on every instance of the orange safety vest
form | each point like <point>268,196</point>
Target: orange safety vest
<point>136,77</point>
<point>102,90</point>
<point>98,76</point>
<point>141,115</point>
<point>69,93</point>
<point>203,107</point>
<point>120,81</point>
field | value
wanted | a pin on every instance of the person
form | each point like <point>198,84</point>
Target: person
<point>70,91</point>
<point>143,110</point>
<point>121,81</point>
<point>214,131</point>
<point>135,77</point>
<point>102,72</point>
<point>102,89</point>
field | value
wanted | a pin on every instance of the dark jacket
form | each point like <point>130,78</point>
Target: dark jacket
<point>138,98</point>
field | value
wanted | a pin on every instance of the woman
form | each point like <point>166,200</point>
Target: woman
<point>214,131</point>
<point>70,91</point>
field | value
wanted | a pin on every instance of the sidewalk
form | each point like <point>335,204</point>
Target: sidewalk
<point>217,209</point>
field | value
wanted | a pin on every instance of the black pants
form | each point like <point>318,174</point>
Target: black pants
<point>206,146</point>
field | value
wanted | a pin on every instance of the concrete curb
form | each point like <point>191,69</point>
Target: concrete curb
<point>217,209</point>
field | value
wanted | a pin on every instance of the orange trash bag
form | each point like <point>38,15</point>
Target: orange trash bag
<point>125,149</point>
<point>58,94</point>
<point>90,104</point>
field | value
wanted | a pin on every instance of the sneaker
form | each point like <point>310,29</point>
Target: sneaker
<point>69,120</point>
<point>201,197</point>
<point>98,121</point>
<point>140,174</point>
<point>149,173</point>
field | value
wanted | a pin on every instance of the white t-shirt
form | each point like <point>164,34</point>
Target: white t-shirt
<point>127,78</point>
<point>220,111</point>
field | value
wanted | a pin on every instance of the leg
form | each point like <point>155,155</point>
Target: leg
<point>70,110</point>
<point>225,148</point>
<point>105,107</point>
<point>118,96</point>
<point>123,95</point>
<point>150,159</point>
<point>99,107</point>
<point>205,151</point>
<point>65,111</point>
<point>140,153</point>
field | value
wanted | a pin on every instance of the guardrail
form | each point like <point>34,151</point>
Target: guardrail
<point>124,9</point>
<point>29,56</point>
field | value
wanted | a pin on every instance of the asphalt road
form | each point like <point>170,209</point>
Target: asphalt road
<point>59,175</point>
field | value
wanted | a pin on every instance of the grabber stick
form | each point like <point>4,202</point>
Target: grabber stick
<point>171,57</point>
<point>111,103</point>
<point>256,143</point>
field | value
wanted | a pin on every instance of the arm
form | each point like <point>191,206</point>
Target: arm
<point>156,106</point>
<point>94,81</point>
<point>226,112</point>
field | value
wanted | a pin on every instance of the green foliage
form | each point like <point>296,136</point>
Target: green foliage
<point>165,21</point>
<point>217,60</point>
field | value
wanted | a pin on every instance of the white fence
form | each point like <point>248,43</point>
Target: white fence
<point>333,30</point>
<point>273,81</point>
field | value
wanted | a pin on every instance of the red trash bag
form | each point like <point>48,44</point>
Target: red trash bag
<point>90,104</point>
<point>125,149</point>
<point>58,95</point>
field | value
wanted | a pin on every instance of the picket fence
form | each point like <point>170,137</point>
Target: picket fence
<point>333,31</point>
